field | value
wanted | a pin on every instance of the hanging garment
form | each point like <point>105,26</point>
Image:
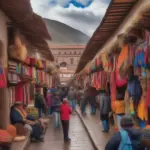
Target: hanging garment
<point>147,101</point>
<point>141,111</point>
<point>119,81</point>
<point>119,107</point>
<point>113,88</point>
<point>134,90</point>
<point>140,60</point>
<point>3,81</point>
<point>19,93</point>
<point>123,58</point>
<point>104,59</point>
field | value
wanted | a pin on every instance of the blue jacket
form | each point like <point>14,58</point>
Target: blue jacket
<point>134,134</point>
<point>56,104</point>
<point>134,89</point>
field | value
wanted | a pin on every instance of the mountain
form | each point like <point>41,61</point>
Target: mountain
<point>64,34</point>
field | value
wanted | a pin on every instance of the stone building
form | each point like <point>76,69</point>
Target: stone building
<point>67,58</point>
<point>67,47</point>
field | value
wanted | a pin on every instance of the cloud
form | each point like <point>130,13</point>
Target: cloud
<point>85,19</point>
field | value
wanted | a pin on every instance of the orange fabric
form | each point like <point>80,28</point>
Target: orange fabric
<point>5,137</point>
<point>119,106</point>
<point>123,56</point>
<point>141,111</point>
<point>12,130</point>
<point>22,112</point>
<point>148,127</point>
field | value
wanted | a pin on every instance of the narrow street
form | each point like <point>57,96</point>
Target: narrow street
<point>54,139</point>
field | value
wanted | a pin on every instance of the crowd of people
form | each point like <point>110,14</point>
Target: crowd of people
<point>60,103</point>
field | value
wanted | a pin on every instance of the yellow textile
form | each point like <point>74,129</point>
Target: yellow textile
<point>123,56</point>
<point>22,113</point>
<point>141,111</point>
<point>104,59</point>
<point>39,63</point>
<point>119,106</point>
<point>131,105</point>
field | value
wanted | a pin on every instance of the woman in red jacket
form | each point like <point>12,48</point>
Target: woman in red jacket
<point>65,111</point>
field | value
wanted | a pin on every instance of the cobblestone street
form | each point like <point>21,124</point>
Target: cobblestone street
<point>54,138</point>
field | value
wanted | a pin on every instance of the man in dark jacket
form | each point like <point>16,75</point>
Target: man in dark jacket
<point>134,135</point>
<point>39,102</point>
<point>105,108</point>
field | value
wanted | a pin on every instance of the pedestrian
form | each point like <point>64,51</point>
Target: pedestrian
<point>56,110</point>
<point>128,138</point>
<point>72,99</point>
<point>65,111</point>
<point>105,109</point>
<point>49,99</point>
<point>39,102</point>
<point>84,102</point>
<point>92,99</point>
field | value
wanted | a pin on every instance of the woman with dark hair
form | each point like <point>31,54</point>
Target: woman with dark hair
<point>128,138</point>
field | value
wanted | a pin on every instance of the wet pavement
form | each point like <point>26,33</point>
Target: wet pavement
<point>54,138</point>
<point>94,128</point>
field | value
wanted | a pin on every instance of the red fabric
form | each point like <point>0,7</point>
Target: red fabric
<point>19,93</point>
<point>120,82</point>
<point>113,88</point>
<point>65,111</point>
<point>147,102</point>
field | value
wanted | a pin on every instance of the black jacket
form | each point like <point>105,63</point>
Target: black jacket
<point>134,134</point>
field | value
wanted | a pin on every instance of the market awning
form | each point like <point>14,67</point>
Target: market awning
<point>115,14</point>
<point>31,25</point>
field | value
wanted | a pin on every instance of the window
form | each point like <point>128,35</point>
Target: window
<point>71,61</point>
<point>65,53</point>
<point>75,53</point>
<point>59,53</point>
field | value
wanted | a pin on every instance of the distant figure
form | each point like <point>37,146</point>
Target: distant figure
<point>39,102</point>
<point>105,108</point>
<point>56,110</point>
<point>65,111</point>
<point>72,98</point>
<point>49,99</point>
<point>128,138</point>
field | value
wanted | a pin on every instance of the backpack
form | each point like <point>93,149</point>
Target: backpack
<point>125,143</point>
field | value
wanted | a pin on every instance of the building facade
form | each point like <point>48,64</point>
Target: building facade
<point>67,58</point>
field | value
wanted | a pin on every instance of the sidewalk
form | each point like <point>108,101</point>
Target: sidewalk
<point>94,128</point>
<point>54,138</point>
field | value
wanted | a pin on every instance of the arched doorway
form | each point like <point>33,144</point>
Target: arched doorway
<point>63,65</point>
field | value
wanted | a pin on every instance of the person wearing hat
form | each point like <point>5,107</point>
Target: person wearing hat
<point>65,111</point>
<point>127,138</point>
<point>19,116</point>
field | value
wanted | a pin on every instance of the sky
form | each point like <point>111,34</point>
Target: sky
<point>83,15</point>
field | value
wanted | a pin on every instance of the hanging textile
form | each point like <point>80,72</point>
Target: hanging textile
<point>121,67</point>
<point>3,81</point>
<point>140,56</point>
<point>147,102</point>
<point>104,59</point>
<point>141,111</point>
<point>119,81</point>
<point>19,92</point>
<point>113,89</point>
